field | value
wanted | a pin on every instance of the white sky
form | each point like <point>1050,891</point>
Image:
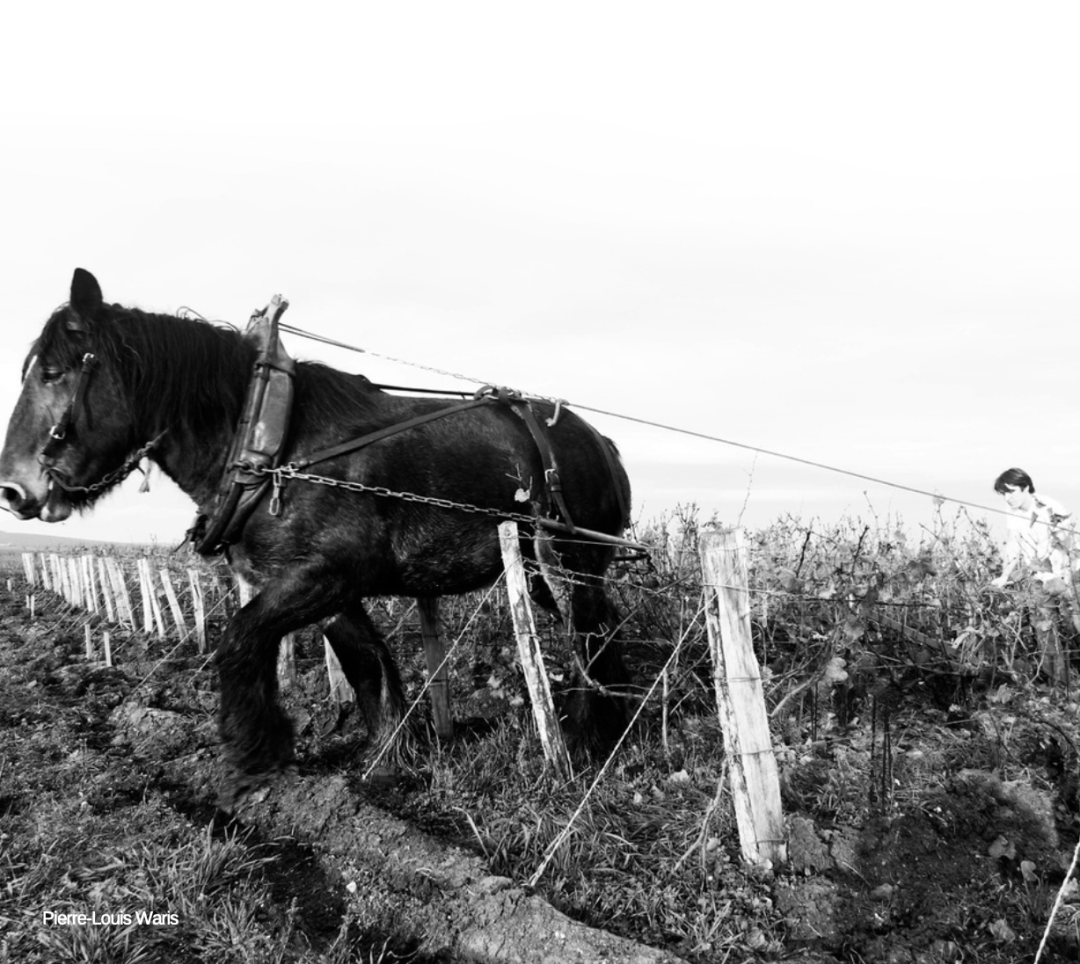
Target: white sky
<point>844,231</point>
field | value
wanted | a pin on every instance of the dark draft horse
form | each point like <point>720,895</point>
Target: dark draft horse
<point>182,382</point>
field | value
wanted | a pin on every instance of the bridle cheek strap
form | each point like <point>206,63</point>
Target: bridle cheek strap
<point>59,431</point>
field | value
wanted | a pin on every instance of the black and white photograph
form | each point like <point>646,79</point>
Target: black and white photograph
<point>574,483</point>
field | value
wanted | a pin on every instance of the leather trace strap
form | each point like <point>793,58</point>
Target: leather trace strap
<point>523,406</point>
<point>329,453</point>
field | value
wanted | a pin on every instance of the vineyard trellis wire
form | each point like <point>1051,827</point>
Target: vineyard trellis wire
<point>937,497</point>
<point>830,611</point>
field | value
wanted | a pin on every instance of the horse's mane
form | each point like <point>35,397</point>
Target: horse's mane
<point>168,365</point>
<point>164,364</point>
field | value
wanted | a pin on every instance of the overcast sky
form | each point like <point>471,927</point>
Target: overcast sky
<point>846,232</point>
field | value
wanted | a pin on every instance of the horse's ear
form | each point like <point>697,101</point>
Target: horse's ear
<point>86,296</point>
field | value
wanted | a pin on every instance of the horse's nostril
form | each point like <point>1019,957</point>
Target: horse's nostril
<point>11,494</point>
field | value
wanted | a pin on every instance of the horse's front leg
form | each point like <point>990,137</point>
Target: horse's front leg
<point>256,734</point>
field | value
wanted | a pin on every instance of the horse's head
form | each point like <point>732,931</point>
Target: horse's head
<point>72,429</point>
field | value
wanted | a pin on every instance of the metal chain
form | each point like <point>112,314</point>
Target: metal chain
<point>110,478</point>
<point>279,475</point>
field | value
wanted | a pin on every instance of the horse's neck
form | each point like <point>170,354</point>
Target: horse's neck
<point>196,436</point>
<point>195,464</point>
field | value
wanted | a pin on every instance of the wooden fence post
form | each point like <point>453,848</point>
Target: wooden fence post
<point>198,603</point>
<point>151,607</point>
<point>90,603</point>
<point>57,580</point>
<point>532,661</point>
<point>438,670</point>
<point>106,593</point>
<point>340,690</point>
<point>124,608</point>
<point>75,593</point>
<point>31,580</point>
<point>286,665</point>
<point>755,784</point>
<point>174,602</point>
<point>286,661</point>
<point>144,595</point>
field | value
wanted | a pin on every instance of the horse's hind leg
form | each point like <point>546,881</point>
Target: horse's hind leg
<point>370,669</point>
<point>595,710</point>
<point>438,672</point>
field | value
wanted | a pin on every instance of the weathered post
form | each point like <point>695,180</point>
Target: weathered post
<point>144,595</point>
<point>286,664</point>
<point>198,605</point>
<point>57,574</point>
<point>438,670</point>
<point>89,583</point>
<point>150,600</point>
<point>103,580</point>
<point>532,661</point>
<point>755,784</point>
<point>174,602</point>
<point>340,690</point>
<point>124,609</point>
<point>75,596</point>
<point>31,581</point>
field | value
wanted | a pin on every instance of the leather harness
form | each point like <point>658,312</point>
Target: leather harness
<point>263,429</point>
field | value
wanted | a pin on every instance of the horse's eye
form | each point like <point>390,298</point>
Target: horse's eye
<point>51,374</point>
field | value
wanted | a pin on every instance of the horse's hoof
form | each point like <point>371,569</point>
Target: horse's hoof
<point>245,790</point>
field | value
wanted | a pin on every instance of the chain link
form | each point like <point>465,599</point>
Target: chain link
<point>110,478</point>
<point>279,475</point>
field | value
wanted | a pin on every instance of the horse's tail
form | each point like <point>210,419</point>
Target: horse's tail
<point>620,481</point>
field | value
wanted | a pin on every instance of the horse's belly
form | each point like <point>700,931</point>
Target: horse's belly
<point>445,566</point>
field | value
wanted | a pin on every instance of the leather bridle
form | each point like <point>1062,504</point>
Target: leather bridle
<point>58,435</point>
<point>59,431</point>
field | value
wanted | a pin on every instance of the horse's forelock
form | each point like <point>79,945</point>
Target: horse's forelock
<point>58,344</point>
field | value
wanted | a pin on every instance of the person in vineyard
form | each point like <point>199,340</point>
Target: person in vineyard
<point>1042,542</point>
<point>1043,550</point>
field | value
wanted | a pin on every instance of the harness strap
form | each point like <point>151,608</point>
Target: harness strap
<point>547,456</point>
<point>522,406</point>
<point>356,443</point>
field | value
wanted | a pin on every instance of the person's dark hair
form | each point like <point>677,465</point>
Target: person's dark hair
<point>1017,477</point>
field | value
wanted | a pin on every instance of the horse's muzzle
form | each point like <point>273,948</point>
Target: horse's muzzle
<point>15,499</point>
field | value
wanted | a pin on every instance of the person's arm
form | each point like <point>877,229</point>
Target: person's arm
<point>1010,559</point>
